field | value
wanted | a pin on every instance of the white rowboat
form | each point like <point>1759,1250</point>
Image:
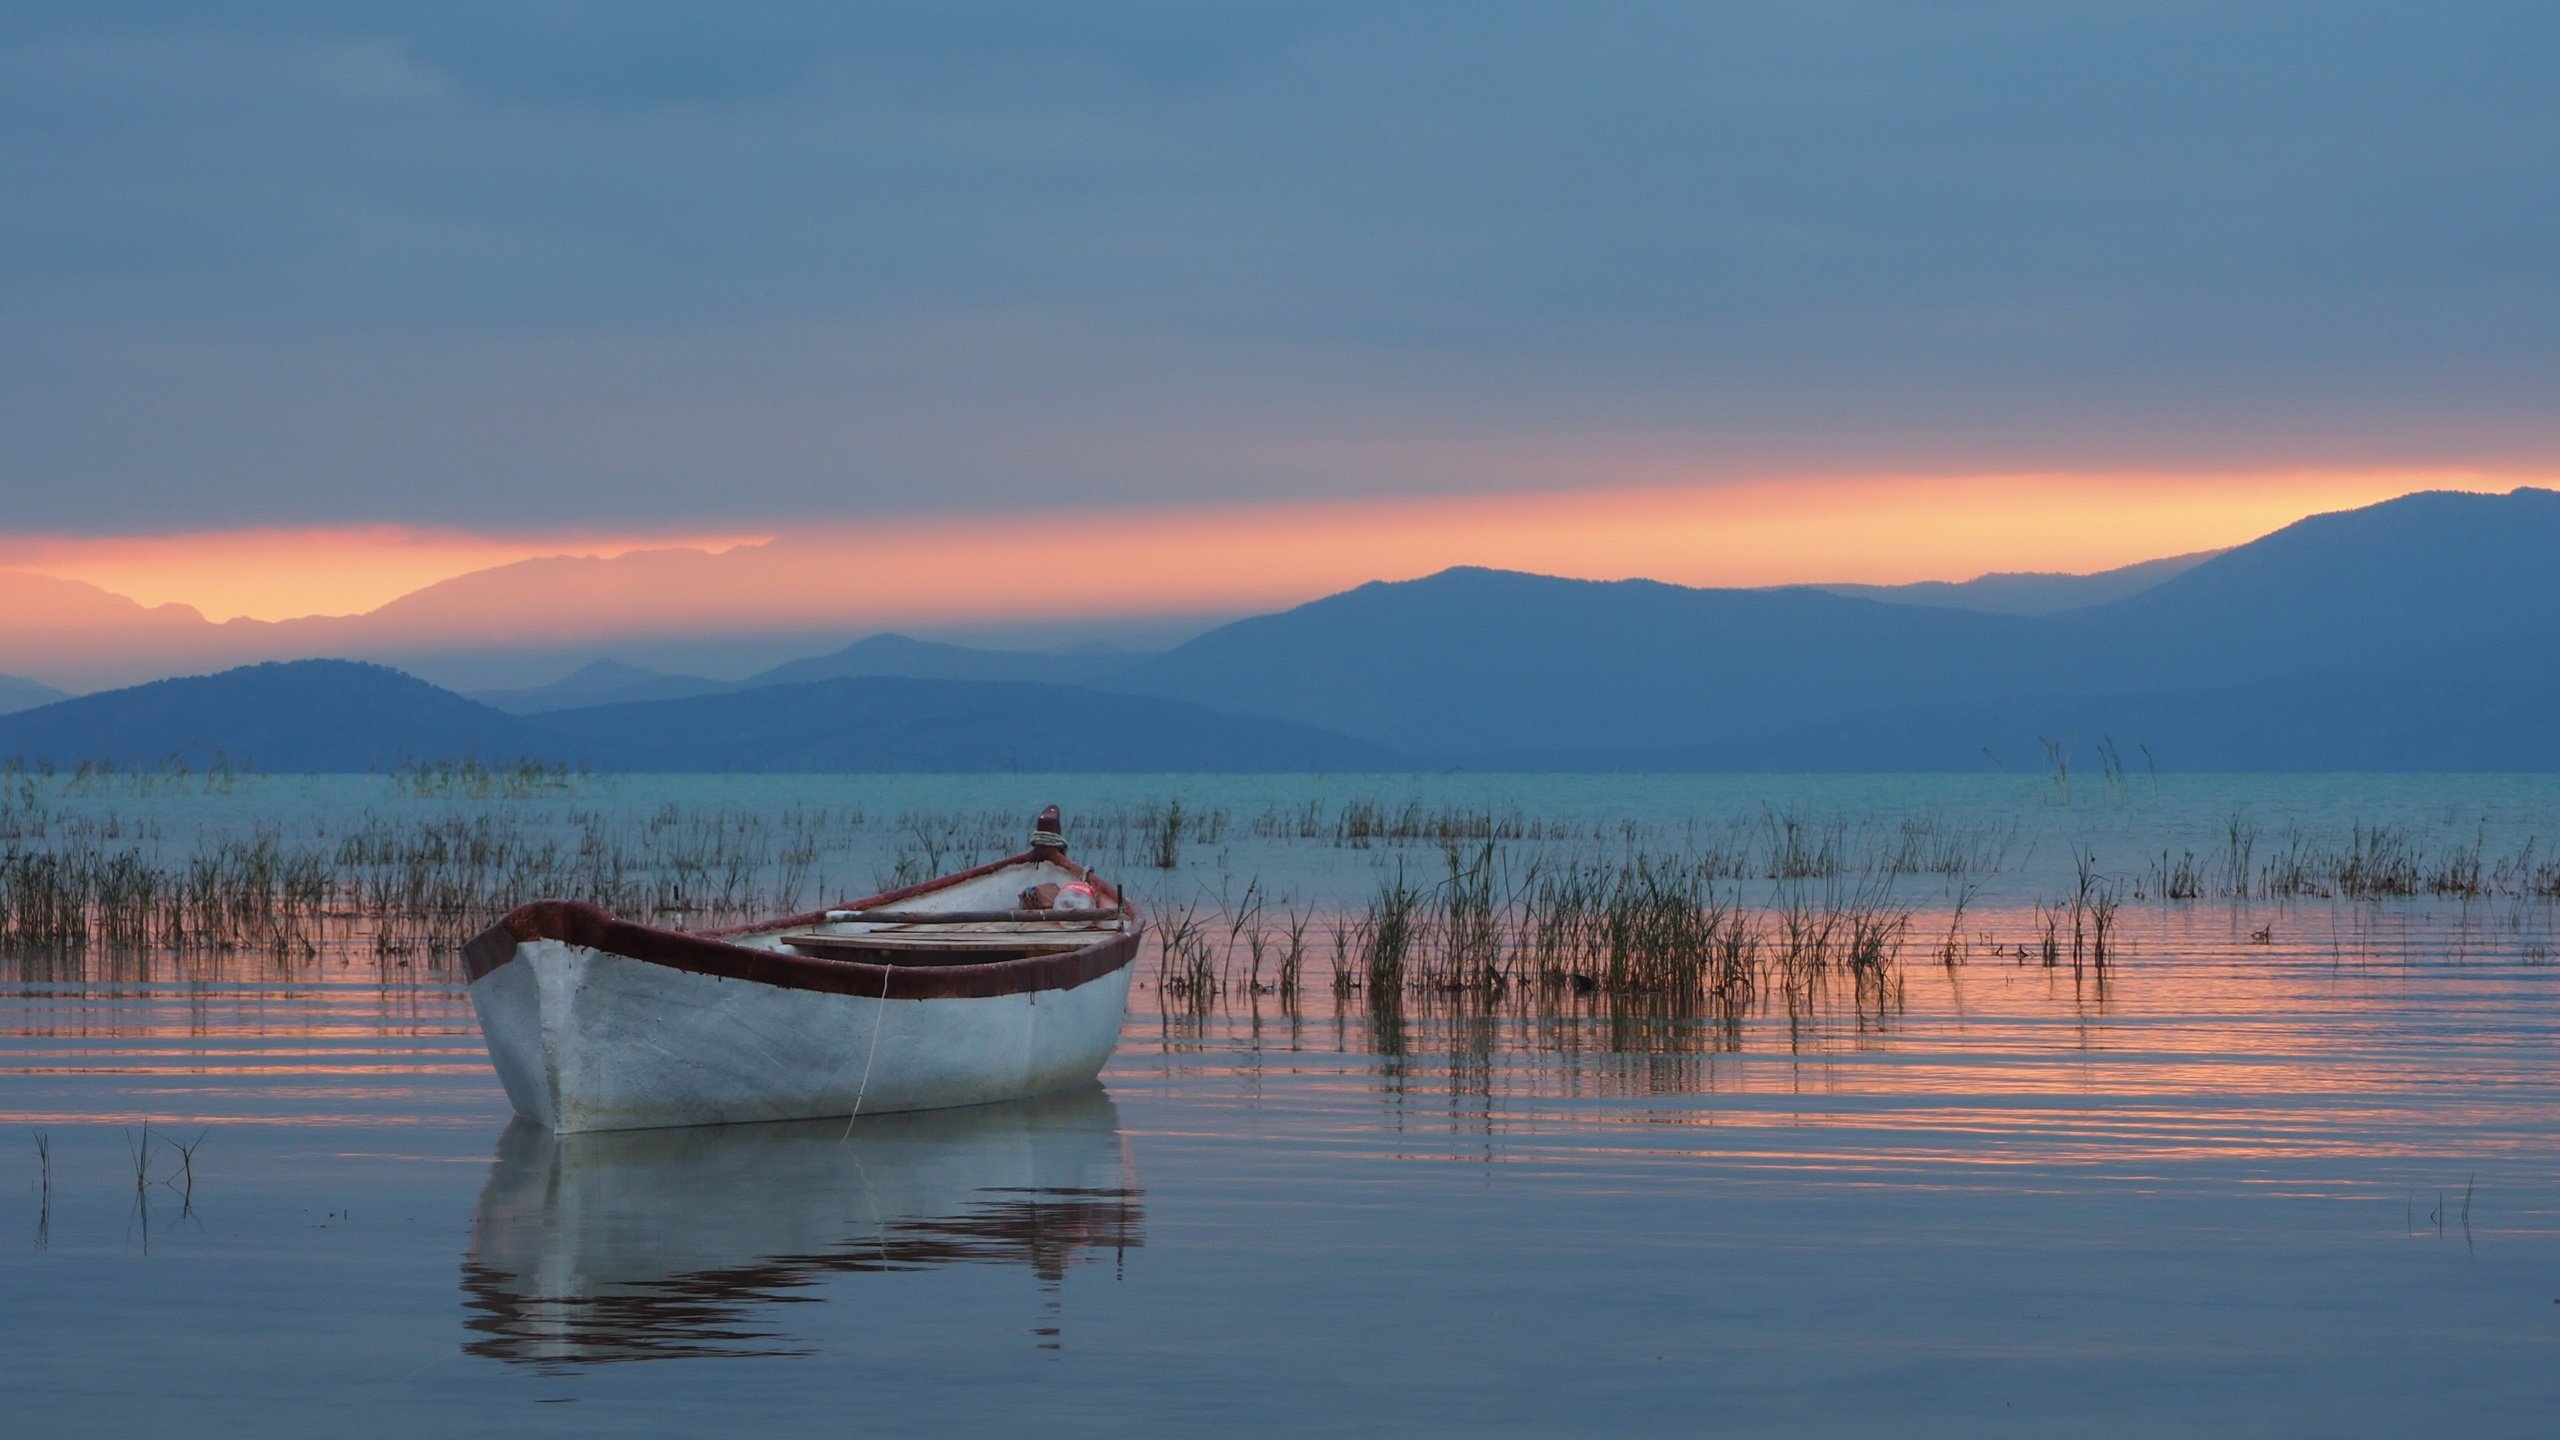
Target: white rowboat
<point>996,983</point>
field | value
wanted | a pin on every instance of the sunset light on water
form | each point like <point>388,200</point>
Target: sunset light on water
<point>800,719</point>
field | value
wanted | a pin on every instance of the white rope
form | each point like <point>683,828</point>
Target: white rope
<point>868,1055</point>
<point>1049,839</point>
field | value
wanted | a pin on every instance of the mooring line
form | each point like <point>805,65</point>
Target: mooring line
<point>869,1054</point>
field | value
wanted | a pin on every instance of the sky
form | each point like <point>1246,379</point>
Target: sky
<point>303,303</point>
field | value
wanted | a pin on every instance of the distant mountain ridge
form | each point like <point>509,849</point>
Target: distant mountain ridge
<point>2418,634</point>
<point>293,716</point>
<point>32,603</point>
<point>883,656</point>
<point>906,657</point>
<point>495,630</point>
<point>18,693</point>
<point>339,716</point>
<point>600,682</point>
<point>873,723</point>
<point>1470,662</point>
<point>654,602</point>
<point>2428,612</point>
<point>2434,581</point>
<point>2030,592</point>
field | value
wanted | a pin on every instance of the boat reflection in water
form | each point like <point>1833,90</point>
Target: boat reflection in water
<point>660,1244</point>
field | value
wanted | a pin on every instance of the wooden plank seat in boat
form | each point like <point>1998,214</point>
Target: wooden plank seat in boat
<point>973,917</point>
<point>938,947</point>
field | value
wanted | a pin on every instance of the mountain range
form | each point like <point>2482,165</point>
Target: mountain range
<point>517,628</point>
<point>2415,634</point>
<point>18,694</point>
<point>2412,635</point>
<point>610,681</point>
<point>346,716</point>
<point>2031,592</point>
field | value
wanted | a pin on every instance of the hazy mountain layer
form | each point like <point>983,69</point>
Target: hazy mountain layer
<point>905,656</point>
<point>2417,634</point>
<point>601,682</point>
<point>890,724</point>
<point>21,694</point>
<point>345,716</point>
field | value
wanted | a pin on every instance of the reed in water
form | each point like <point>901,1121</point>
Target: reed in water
<point>1462,900</point>
<point>1643,925</point>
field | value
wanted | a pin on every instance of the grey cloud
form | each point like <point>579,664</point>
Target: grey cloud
<point>874,255</point>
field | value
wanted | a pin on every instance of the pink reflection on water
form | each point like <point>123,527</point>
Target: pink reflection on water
<point>2339,1036</point>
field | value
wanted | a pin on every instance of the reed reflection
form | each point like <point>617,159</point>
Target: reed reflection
<point>666,1244</point>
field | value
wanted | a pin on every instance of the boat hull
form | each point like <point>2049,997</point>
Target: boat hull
<point>587,1039</point>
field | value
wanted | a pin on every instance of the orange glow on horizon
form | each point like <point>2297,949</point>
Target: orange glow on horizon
<point>282,573</point>
<point>1066,565</point>
<point>1059,565</point>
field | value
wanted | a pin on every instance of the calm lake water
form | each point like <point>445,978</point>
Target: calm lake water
<point>2288,1166</point>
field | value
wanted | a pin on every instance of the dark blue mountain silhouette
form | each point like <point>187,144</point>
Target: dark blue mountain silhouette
<point>948,725</point>
<point>601,682</point>
<point>2421,633</point>
<point>342,716</point>
<point>304,715</point>
<point>2030,592</point>
<point>1473,661</point>
<point>2417,634</point>
<point>906,657</point>
<point>2439,582</point>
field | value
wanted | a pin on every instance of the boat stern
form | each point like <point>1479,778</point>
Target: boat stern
<point>508,998</point>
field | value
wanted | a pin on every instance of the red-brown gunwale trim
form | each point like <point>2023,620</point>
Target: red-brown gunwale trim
<point>590,927</point>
